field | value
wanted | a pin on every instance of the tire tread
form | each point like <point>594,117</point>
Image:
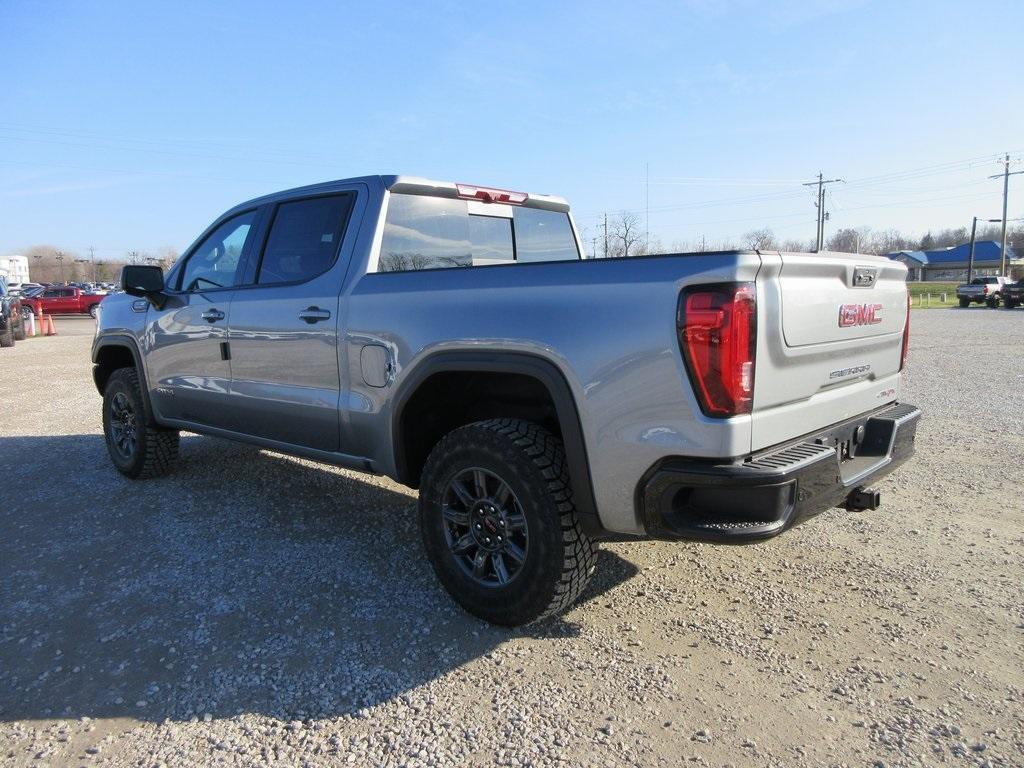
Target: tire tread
<point>160,445</point>
<point>544,450</point>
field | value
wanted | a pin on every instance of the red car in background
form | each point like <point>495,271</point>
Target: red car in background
<point>63,301</point>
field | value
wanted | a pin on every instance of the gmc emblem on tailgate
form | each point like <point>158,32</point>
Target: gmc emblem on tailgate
<point>859,314</point>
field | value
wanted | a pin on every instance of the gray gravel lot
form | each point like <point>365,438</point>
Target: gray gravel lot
<point>258,609</point>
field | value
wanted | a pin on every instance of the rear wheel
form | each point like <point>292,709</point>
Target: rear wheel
<point>965,303</point>
<point>138,449</point>
<point>992,302</point>
<point>498,522</point>
<point>1009,303</point>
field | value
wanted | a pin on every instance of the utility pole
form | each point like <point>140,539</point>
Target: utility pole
<point>606,235</point>
<point>646,205</point>
<point>974,229</point>
<point>92,257</point>
<point>819,236</point>
<point>1006,189</point>
<point>970,258</point>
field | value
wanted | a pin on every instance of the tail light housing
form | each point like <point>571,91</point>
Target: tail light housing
<point>906,337</point>
<point>717,327</point>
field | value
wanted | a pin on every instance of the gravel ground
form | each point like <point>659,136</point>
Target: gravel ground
<point>257,609</point>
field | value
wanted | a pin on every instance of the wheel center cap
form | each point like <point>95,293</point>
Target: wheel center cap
<point>488,526</point>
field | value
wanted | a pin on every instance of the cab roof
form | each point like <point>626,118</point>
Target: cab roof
<point>411,185</point>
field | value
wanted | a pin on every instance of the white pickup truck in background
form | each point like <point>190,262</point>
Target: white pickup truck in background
<point>982,290</point>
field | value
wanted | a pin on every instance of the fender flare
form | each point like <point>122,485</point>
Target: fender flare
<point>526,364</point>
<point>124,341</point>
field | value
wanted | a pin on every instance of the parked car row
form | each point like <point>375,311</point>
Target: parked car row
<point>29,289</point>
<point>12,321</point>
<point>62,300</point>
<point>991,291</point>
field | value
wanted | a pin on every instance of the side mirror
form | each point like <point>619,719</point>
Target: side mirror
<point>144,281</point>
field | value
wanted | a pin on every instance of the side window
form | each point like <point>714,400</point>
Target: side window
<point>304,239</point>
<point>214,264</point>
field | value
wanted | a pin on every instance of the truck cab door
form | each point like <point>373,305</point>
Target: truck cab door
<point>285,369</point>
<point>188,369</point>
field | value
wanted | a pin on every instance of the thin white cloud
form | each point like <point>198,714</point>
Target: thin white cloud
<point>57,189</point>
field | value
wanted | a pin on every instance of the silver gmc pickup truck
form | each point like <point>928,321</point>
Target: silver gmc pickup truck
<point>455,338</point>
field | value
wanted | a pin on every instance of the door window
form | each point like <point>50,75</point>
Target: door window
<point>214,264</point>
<point>304,239</point>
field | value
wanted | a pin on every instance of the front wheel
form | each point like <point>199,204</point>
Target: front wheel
<point>498,522</point>
<point>7,337</point>
<point>137,448</point>
<point>94,310</point>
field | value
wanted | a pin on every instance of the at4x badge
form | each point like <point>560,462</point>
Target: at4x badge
<point>859,314</point>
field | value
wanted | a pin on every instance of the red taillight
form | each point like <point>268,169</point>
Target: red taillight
<point>718,333</point>
<point>491,195</point>
<point>906,337</point>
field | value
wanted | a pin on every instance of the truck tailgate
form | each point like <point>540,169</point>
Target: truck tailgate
<point>829,341</point>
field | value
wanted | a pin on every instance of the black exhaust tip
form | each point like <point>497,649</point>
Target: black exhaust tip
<point>861,499</point>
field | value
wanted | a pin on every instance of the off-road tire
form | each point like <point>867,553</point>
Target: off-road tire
<point>560,557</point>
<point>7,338</point>
<point>155,449</point>
<point>19,331</point>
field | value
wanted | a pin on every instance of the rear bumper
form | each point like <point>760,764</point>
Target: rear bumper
<point>760,496</point>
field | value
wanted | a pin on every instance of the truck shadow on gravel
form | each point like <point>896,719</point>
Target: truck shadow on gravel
<point>244,582</point>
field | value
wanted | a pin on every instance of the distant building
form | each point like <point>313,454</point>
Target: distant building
<point>14,269</point>
<point>951,263</point>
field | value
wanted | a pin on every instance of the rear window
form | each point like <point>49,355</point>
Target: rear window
<point>422,232</point>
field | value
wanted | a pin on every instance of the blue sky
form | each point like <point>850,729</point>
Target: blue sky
<point>132,125</point>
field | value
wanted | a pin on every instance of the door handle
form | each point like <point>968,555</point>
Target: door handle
<point>314,315</point>
<point>212,315</point>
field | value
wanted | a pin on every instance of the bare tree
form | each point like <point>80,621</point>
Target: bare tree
<point>759,239</point>
<point>626,235</point>
<point>794,245</point>
<point>848,240</point>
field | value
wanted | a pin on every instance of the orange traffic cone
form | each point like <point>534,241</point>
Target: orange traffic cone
<point>46,327</point>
